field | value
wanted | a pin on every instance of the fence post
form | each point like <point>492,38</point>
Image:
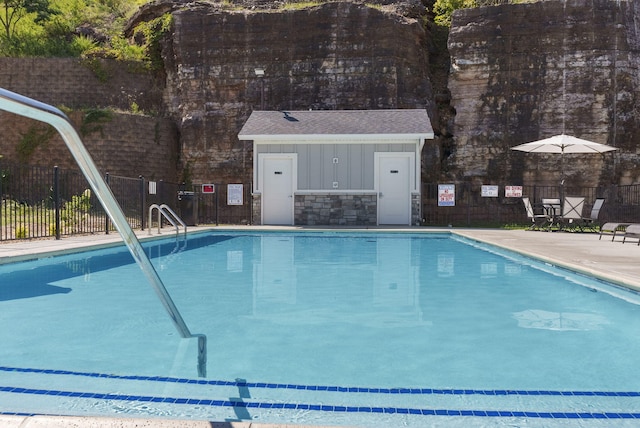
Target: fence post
<point>143,201</point>
<point>106,216</point>
<point>56,199</point>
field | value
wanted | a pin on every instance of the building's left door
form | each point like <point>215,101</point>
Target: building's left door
<point>277,189</point>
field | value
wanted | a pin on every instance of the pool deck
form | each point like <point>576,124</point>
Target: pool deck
<point>581,252</point>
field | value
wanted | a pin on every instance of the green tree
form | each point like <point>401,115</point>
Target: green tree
<point>443,9</point>
<point>14,10</point>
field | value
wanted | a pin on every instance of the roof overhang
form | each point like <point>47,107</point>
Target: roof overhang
<point>338,126</point>
<point>345,138</point>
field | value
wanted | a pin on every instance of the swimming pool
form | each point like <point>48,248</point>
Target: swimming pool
<point>368,329</point>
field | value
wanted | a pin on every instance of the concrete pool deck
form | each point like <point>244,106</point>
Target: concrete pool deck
<point>581,252</point>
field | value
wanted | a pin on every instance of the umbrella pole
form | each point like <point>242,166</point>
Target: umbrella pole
<point>562,179</point>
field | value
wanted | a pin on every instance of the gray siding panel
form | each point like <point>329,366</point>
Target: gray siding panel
<point>326,162</point>
<point>354,170</point>
<point>368,166</point>
<point>303,166</point>
<point>314,167</point>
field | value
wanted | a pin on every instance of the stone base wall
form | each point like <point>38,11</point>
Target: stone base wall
<point>326,209</point>
<point>336,209</point>
<point>416,212</point>
<point>256,208</point>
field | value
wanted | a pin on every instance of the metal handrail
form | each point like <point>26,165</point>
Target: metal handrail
<point>27,107</point>
<point>169,214</point>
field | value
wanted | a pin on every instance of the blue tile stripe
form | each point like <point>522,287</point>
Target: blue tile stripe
<point>322,407</point>
<point>414,391</point>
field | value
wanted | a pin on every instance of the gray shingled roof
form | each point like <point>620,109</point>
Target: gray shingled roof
<point>324,124</point>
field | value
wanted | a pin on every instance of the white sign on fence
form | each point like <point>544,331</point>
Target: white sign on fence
<point>489,191</point>
<point>446,195</point>
<point>235,194</point>
<point>512,191</point>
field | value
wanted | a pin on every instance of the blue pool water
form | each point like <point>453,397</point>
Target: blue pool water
<point>330,328</point>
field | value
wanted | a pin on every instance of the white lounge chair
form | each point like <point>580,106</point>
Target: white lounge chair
<point>632,231</point>
<point>613,229</point>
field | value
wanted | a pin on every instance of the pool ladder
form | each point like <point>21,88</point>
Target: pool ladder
<point>165,211</point>
<point>36,110</point>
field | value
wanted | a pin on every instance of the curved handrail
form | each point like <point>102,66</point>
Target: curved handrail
<point>169,214</point>
<point>27,107</point>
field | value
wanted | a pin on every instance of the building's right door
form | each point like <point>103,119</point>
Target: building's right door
<point>394,188</point>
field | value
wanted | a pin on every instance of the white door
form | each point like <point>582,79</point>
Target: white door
<point>394,188</point>
<point>277,190</point>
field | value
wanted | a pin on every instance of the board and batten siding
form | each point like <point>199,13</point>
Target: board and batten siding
<point>354,170</point>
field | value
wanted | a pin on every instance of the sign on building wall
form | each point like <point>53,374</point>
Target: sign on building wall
<point>512,191</point>
<point>489,191</point>
<point>235,194</point>
<point>208,188</point>
<point>446,195</point>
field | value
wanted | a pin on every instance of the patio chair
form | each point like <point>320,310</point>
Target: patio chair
<point>572,212</point>
<point>552,210</point>
<point>591,222</point>
<point>632,231</point>
<point>537,220</point>
<point>613,229</point>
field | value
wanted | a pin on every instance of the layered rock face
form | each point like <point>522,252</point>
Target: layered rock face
<point>523,72</point>
<point>338,55</point>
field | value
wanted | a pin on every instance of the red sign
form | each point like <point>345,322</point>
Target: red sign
<point>208,188</point>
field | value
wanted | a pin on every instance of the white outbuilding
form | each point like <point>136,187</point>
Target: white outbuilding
<point>337,167</point>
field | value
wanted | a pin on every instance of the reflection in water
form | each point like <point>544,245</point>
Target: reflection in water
<point>559,321</point>
<point>377,280</point>
<point>446,264</point>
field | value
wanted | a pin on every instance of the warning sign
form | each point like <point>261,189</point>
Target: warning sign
<point>446,195</point>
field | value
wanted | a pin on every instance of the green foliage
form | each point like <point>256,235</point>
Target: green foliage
<point>98,69</point>
<point>76,210</point>
<point>14,11</point>
<point>22,232</point>
<point>152,32</point>
<point>35,137</point>
<point>67,28</point>
<point>93,120</point>
<point>122,50</point>
<point>297,5</point>
<point>443,9</point>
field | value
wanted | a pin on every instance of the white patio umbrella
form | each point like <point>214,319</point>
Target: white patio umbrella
<point>563,144</point>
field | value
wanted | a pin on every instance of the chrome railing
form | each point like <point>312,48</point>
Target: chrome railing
<point>27,107</point>
<point>165,211</point>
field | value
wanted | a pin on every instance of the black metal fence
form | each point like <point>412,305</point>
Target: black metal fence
<point>473,208</point>
<point>38,202</point>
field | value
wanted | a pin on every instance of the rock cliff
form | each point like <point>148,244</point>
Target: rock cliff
<point>335,55</point>
<point>522,72</point>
